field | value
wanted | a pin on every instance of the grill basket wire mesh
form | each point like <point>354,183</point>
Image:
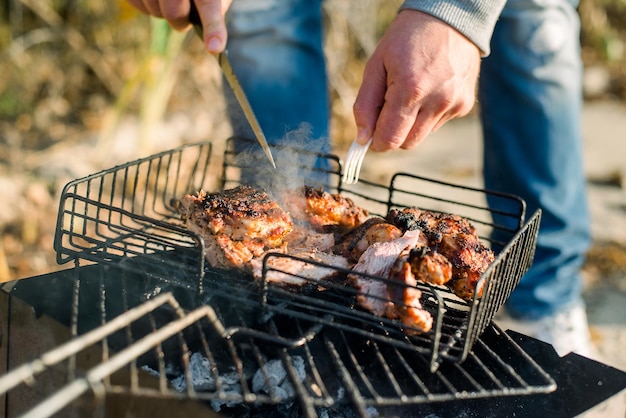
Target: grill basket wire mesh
<point>506,231</point>
<point>457,324</point>
<point>125,219</point>
<point>129,213</point>
<point>149,346</point>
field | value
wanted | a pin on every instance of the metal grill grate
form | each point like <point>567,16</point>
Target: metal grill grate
<point>128,212</point>
<point>125,219</point>
<point>457,323</point>
<point>225,354</point>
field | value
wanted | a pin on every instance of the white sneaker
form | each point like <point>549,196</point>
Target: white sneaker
<point>567,331</point>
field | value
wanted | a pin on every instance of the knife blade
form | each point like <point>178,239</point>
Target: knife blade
<point>233,82</point>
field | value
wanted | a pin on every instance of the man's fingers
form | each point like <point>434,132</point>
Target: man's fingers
<point>397,117</point>
<point>176,13</point>
<point>213,26</point>
<point>429,119</point>
<point>369,102</point>
<point>393,127</point>
<point>458,111</point>
<point>424,125</point>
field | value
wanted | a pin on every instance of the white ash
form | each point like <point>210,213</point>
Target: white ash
<point>345,412</point>
<point>170,370</point>
<point>370,412</point>
<point>276,383</point>
<point>150,371</point>
<point>277,379</point>
<point>202,380</point>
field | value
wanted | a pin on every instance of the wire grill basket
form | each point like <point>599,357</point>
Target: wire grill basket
<point>125,216</point>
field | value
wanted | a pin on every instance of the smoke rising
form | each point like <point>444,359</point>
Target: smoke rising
<point>300,160</point>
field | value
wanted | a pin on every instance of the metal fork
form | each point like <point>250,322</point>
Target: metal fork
<point>354,159</point>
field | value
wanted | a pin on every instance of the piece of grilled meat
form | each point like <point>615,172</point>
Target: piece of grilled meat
<point>293,272</point>
<point>469,259</point>
<point>398,297</point>
<point>405,296</point>
<point>323,211</point>
<point>302,237</point>
<point>236,225</point>
<point>453,237</point>
<point>354,243</point>
<point>429,266</point>
<point>378,260</point>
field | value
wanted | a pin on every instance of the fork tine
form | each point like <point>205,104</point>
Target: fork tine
<point>348,176</point>
<point>354,160</point>
<point>358,163</point>
<point>358,160</point>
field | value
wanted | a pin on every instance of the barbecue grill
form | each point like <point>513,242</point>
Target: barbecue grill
<point>166,325</point>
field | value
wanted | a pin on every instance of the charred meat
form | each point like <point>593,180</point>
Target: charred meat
<point>320,235</point>
<point>236,225</point>
<point>429,266</point>
<point>434,224</point>
<point>298,269</point>
<point>353,244</point>
<point>378,260</point>
<point>469,259</point>
<point>454,238</point>
<point>323,211</point>
<point>405,297</point>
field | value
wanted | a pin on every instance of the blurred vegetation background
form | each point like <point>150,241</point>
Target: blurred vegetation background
<point>86,84</point>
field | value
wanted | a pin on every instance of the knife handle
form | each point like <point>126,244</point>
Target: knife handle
<point>194,17</point>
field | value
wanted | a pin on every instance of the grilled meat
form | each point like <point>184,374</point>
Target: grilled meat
<point>236,225</point>
<point>454,238</point>
<point>405,297</point>
<point>429,266</point>
<point>289,271</point>
<point>303,238</point>
<point>435,225</point>
<point>353,244</point>
<point>323,211</point>
<point>378,260</point>
<point>469,259</point>
<point>241,224</point>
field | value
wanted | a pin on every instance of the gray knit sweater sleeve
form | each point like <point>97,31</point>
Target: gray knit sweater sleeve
<point>473,18</point>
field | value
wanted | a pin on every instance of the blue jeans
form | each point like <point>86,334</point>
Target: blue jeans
<point>530,96</point>
<point>275,48</point>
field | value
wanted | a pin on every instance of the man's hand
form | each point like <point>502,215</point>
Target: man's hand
<point>422,74</point>
<point>176,12</point>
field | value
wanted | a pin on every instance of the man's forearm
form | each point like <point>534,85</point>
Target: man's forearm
<point>473,18</point>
